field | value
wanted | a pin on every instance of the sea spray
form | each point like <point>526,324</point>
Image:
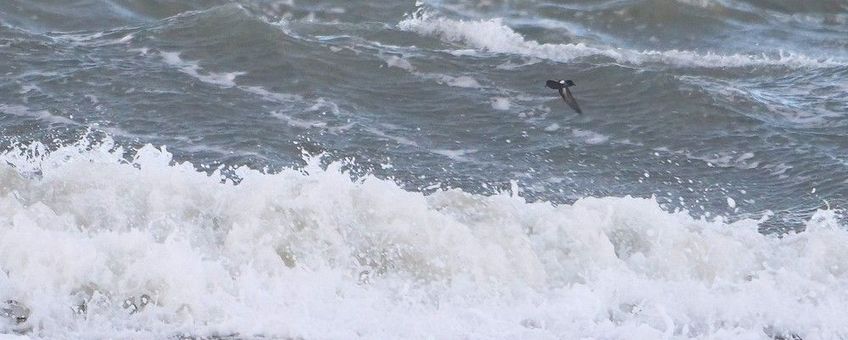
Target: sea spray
<point>309,252</point>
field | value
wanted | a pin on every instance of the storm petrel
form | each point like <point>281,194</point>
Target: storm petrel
<point>566,96</point>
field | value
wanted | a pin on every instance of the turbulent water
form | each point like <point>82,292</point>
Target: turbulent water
<point>392,169</point>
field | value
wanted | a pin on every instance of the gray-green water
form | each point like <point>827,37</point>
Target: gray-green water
<point>716,108</point>
<point>691,102</point>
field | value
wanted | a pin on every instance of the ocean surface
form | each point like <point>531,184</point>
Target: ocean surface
<point>272,169</point>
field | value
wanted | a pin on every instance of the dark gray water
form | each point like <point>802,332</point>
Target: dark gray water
<point>717,108</point>
<point>689,101</point>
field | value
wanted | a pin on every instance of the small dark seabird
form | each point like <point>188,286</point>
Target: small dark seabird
<point>566,96</point>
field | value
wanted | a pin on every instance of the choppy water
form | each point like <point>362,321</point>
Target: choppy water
<point>161,148</point>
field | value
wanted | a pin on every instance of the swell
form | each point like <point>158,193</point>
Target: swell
<point>99,15</point>
<point>275,77</point>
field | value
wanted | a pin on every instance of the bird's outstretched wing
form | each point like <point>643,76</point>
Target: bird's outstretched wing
<point>569,99</point>
<point>553,84</point>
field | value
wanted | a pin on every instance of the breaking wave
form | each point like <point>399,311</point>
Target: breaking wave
<point>88,230</point>
<point>494,36</point>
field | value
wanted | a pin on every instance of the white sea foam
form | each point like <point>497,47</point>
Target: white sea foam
<point>590,137</point>
<point>28,88</point>
<point>455,81</point>
<point>398,139</point>
<point>461,81</point>
<point>551,128</point>
<point>299,123</point>
<point>311,254</point>
<point>500,103</point>
<point>494,36</point>
<point>457,155</point>
<point>192,68</point>
<point>395,61</point>
<point>42,115</point>
<point>726,159</point>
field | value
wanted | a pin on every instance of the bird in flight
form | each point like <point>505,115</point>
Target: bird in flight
<point>560,85</point>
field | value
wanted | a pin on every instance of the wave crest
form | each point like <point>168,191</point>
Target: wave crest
<point>493,36</point>
<point>334,257</point>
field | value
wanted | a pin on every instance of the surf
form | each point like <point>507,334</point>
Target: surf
<point>97,224</point>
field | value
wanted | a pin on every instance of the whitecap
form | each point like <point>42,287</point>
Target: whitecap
<point>494,36</point>
<point>341,258</point>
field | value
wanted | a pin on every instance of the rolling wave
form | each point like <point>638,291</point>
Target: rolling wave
<point>493,36</point>
<point>93,225</point>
